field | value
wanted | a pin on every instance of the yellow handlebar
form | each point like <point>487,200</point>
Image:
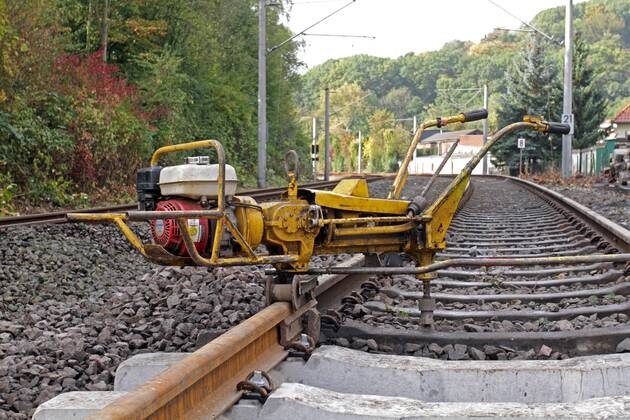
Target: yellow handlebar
<point>213,144</point>
<point>401,176</point>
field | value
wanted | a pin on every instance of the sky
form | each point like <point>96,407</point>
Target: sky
<point>402,26</point>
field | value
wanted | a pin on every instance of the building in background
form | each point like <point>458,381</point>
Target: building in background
<point>615,132</point>
<point>432,149</point>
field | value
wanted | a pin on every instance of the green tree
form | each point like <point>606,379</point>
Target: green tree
<point>349,109</point>
<point>386,143</point>
<point>401,102</point>
<point>532,89</point>
<point>589,102</point>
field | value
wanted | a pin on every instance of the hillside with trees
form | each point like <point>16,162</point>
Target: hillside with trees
<point>89,88</point>
<point>523,72</point>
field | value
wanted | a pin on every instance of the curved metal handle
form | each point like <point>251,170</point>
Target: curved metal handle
<point>401,176</point>
<point>296,165</point>
<point>212,144</point>
<point>477,114</point>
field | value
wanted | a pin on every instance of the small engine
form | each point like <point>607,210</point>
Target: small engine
<point>194,186</point>
<point>166,232</point>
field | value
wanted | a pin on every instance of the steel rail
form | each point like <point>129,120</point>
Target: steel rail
<point>204,384</point>
<point>619,235</point>
<point>58,216</point>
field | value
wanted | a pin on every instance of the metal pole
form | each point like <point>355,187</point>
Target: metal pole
<point>520,165</point>
<point>326,134</point>
<point>314,148</point>
<point>447,156</point>
<point>262,93</point>
<point>567,103</point>
<point>359,157</point>
<point>485,128</point>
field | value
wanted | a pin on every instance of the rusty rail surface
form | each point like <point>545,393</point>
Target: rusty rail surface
<point>204,383</point>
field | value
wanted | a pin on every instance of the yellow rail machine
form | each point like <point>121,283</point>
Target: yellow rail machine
<point>196,217</point>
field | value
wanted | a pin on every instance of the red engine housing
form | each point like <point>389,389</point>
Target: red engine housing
<point>167,234</point>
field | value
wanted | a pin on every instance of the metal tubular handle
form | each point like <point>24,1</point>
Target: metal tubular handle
<point>441,209</point>
<point>212,144</point>
<point>558,128</point>
<point>471,262</point>
<point>529,122</point>
<point>448,155</point>
<point>476,115</point>
<point>401,176</point>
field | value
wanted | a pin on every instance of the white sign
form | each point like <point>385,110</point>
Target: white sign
<point>521,143</point>
<point>568,119</point>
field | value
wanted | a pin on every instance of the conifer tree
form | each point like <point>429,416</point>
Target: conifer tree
<point>589,102</point>
<point>532,89</point>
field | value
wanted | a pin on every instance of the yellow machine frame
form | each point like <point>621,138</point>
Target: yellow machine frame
<point>353,222</point>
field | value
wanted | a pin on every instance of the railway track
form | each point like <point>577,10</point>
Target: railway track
<point>499,313</point>
<point>575,309</point>
<point>60,216</point>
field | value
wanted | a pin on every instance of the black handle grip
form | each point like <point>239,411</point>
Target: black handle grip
<point>477,114</point>
<point>558,128</point>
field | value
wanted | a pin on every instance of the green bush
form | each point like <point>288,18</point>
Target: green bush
<point>110,144</point>
<point>35,147</point>
<point>7,191</point>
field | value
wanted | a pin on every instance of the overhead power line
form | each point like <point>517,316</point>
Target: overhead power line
<point>272,49</point>
<point>550,38</point>
<point>341,35</point>
<point>514,30</point>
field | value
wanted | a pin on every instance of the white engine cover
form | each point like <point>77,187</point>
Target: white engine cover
<point>195,181</point>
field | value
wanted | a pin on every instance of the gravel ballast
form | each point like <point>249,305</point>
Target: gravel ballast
<point>77,300</point>
<point>605,200</point>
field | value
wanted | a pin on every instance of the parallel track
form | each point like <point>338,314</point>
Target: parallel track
<point>519,307</point>
<point>60,216</point>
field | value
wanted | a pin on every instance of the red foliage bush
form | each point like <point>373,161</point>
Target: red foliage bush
<point>83,167</point>
<point>88,77</point>
<point>109,127</point>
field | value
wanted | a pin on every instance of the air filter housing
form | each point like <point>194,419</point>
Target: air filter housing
<point>195,179</point>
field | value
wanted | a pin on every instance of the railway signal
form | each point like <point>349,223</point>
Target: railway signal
<point>521,146</point>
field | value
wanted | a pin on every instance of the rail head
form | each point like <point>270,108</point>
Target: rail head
<point>206,380</point>
<point>616,232</point>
